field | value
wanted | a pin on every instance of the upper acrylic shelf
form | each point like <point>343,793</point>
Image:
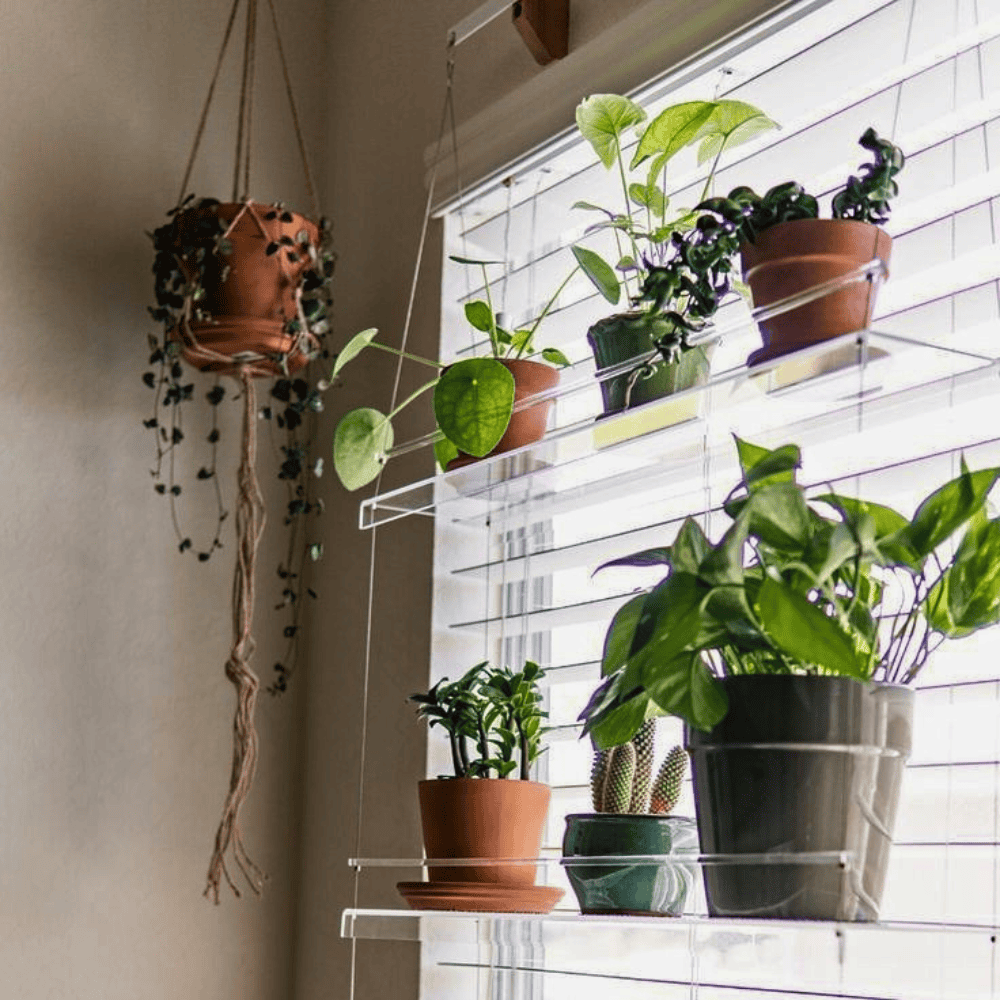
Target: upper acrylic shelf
<point>858,381</point>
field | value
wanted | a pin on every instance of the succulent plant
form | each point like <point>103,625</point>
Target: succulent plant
<point>621,777</point>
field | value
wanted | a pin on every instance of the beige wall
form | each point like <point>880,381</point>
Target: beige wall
<point>386,85</point>
<point>115,713</point>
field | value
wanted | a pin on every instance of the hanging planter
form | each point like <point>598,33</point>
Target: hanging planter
<point>242,291</point>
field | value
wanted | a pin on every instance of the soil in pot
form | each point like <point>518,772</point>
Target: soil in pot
<point>643,888</point>
<point>792,257</point>
<point>619,339</point>
<point>527,422</point>
<point>801,765</point>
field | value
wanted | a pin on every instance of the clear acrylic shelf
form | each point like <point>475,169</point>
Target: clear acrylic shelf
<point>867,378</point>
<point>840,859</point>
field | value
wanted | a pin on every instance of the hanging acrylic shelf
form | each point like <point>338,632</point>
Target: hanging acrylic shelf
<point>858,381</point>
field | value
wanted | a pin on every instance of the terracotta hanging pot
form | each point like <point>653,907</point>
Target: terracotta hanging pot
<point>249,293</point>
<point>793,256</point>
<point>527,424</point>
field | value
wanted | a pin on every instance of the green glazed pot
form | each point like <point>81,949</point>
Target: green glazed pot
<point>623,337</point>
<point>644,888</point>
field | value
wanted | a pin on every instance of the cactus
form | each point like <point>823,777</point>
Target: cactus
<point>667,787</point>
<point>644,742</point>
<point>620,777</point>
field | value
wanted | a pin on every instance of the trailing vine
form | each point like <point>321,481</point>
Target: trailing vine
<point>189,248</point>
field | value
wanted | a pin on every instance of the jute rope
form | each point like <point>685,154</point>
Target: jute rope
<point>250,518</point>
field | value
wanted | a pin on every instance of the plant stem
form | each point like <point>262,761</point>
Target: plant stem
<point>545,311</point>
<point>494,346</point>
<point>403,354</point>
<point>711,174</point>
<point>409,399</point>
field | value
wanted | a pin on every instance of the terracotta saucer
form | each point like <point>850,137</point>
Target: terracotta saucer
<point>479,897</point>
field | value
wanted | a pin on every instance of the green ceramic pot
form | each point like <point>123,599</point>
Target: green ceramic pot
<point>627,336</point>
<point>644,888</point>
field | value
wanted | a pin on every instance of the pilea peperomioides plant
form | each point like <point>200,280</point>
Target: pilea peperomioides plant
<point>621,779</point>
<point>474,398</point>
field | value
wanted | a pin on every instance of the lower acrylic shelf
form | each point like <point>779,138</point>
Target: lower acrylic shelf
<point>581,957</point>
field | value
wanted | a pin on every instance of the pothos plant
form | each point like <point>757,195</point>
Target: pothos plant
<point>473,398</point>
<point>823,584</point>
<point>492,717</point>
<point>192,241</point>
<point>645,224</point>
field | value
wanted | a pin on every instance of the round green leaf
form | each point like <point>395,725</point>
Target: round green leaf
<point>353,348</point>
<point>473,401</point>
<point>479,315</point>
<point>360,444</point>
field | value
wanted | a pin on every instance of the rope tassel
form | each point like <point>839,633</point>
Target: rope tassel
<point>250,519</point>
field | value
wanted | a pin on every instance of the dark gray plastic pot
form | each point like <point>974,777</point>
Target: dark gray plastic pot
<point>801,765</point>
<point>627,336</point>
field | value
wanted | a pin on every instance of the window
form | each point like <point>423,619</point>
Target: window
<point>517,582</point>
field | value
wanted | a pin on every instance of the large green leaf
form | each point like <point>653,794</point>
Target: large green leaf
<point>600,273</point>
<point>603,119</point>
<point>763,466</point>
<point>777,514</point>
<point>731,123</point>
<point>353,348</point>
<point>619,724</point>
<point>360,443</point>
<point>690,547</point>
<point>670,615</point>
<point>620,635</point>
<point>805,634</point>
<point>723,565</point>
<point>885,519</point>
<point>473,401</point>
<point>973,581</point>
<point>684,687</point>
<point>673,129</point>
<point>947,509</point>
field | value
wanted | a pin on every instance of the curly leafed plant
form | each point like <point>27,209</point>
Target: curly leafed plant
<point>864,198</point>
<point>493,719</point>
<point>824,584</point>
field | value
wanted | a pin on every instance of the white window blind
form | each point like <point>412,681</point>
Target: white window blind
<point>515,580</point>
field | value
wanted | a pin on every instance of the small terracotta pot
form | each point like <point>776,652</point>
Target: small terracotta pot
<point>483,818</point>
<point>526,425</point>
<point>251,302</point>
<point>794,256</point>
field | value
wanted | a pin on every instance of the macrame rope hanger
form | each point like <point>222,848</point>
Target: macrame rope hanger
<point>250,513</point>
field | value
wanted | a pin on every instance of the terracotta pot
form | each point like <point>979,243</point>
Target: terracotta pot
<point>794,256</point>
<point>483,818</point>
<point>526,425</point>
<point>255,340</point>
<point>252,300</point>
